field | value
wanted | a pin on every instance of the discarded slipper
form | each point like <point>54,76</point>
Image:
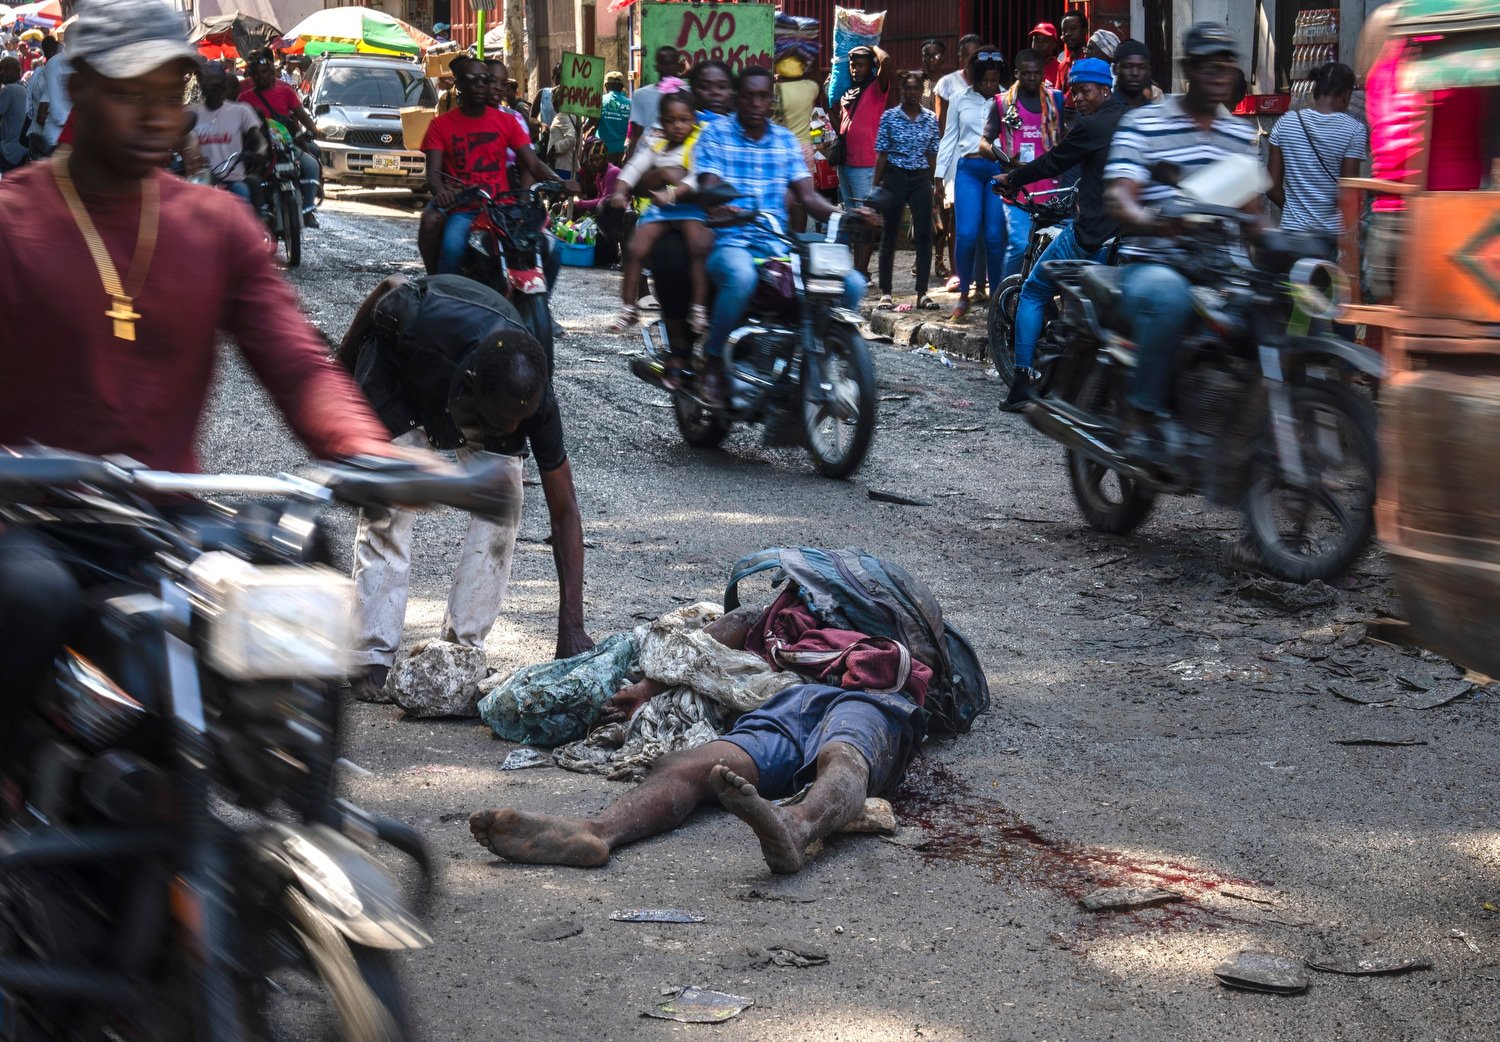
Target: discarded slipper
<point>904,308</point>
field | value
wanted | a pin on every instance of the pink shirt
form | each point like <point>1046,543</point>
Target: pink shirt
<point>1027,143</point>
<point>861,127</point>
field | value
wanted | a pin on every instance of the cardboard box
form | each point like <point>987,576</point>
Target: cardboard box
<point>414,123</point>
<point>437,64</point>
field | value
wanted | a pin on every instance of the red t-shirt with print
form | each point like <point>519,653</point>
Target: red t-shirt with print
<point>474,147</point>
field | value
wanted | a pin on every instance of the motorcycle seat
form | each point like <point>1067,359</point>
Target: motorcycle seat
<point>1101,285</point>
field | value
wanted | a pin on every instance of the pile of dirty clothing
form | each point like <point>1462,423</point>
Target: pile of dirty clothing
<point>709,685</point>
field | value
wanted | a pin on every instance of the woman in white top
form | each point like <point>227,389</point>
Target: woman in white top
<point>966,175</point>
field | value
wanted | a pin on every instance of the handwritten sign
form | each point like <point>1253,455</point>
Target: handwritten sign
<point>582,89</point>
<point>736,34</point>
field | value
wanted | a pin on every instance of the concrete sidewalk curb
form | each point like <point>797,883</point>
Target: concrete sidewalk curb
<point>906,328</point>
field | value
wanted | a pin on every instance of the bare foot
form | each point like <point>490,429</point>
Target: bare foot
<point>782,840</point>
<point>538,839</point>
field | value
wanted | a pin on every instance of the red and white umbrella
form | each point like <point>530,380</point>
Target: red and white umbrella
<point>46,14</point>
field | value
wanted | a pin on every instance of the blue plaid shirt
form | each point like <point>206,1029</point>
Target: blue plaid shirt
<point>762,171</point>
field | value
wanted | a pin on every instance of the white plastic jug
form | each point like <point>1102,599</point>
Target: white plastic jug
<point>1232,181</point>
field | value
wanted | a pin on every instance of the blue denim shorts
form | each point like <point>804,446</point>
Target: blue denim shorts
<point>855,185</point>
<point>785,736</point>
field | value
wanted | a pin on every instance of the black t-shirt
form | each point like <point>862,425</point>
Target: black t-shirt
<point>407,367</point>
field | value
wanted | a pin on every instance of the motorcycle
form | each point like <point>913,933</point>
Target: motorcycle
<point>280,198</point>
<point>505,251</point>
<point>174,859</point>
<point>1047,219</point>
<point>1274,415</point>
<point>797,365</point>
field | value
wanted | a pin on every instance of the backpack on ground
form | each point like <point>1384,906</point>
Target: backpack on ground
<point>854,590</point>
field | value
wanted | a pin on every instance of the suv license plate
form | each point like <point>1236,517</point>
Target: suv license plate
<point>385,163</point>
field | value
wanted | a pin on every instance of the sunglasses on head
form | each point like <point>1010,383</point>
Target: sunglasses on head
<point>989,56</point>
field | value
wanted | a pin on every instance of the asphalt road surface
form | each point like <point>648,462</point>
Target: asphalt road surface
<point>1159,719</point>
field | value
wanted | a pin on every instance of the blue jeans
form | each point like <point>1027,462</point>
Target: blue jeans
<point>1031,309</point>
<point>977,212</point>
<point>734,273</point>
<point>239,188</point>
<point>455,239</point>
<point>1159,304</point>
<point>308,175</point>
<point>1018,225</point>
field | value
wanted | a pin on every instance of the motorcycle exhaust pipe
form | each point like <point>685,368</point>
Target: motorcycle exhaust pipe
<point>1071,434</point>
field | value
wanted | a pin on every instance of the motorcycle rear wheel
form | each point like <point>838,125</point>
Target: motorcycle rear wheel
<point>839,432</point>
<point>1109,501</point>
<point>701,428</point>
<point>1301,537</point>
<point>1001,329</point>
<point>289,214</point>
<point>360,986</point>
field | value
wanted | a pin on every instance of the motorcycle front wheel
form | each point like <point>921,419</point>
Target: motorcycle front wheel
<point>839,427</point>
<point>1001,329</point>
<point>289,216</point>
<point>1109,501</point>
<point>1318,532</point>
<point>351,994</point>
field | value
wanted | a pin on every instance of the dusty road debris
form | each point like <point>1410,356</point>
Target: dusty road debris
<point>1368,966</point>
<point>1263,971</point>
<point>439,679</point>
<point>697,1006</point>
<point>655,915</point>
<point>1127,898</point>
<point>799,957</point>
<point>521,759</point>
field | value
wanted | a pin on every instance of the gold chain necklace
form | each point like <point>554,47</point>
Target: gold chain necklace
<point>122,300</point>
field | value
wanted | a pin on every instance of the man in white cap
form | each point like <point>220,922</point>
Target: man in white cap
<point>118,279</point>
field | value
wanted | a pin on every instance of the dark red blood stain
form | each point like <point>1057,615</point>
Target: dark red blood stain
<point>973,829</point>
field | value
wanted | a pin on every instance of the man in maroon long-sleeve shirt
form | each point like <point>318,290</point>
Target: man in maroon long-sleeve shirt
<point>127,370</point>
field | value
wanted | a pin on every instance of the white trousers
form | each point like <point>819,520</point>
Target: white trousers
<point>382,573</point>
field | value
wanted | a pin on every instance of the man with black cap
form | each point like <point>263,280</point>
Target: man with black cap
<point>1189,131</point>
<point>1133,86</point>
<point>448,364</point>
<point>117,280</point>
<point>1086,144</point>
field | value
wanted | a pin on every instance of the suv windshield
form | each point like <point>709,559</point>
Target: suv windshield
<point>369,87</point>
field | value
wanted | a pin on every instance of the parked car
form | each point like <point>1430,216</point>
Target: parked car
<point>356,101</point>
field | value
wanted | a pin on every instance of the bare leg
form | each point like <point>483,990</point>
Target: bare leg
<point>785,833</point>
<point>700,240</point>
<point>636,251</point>
<point>677,785</point>
<point>430,238</point>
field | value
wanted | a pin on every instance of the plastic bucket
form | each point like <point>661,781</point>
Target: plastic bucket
<point>576,255</point>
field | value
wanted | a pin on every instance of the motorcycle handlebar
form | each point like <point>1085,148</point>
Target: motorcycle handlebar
<point>478,487</point>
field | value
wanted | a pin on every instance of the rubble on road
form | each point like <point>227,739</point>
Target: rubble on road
<point>699,1006</point>
<point>1263,971</point>
<point>439,679</point>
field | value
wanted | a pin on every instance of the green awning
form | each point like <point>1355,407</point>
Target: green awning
<point>1460,60</point>
<point>1446,16</point>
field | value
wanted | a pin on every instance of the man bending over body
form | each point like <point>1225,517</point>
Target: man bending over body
<point>849,744</point>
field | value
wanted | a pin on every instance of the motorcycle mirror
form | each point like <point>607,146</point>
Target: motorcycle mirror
<point>322,110</point>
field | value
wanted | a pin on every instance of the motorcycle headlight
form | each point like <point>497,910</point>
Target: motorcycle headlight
<point>333,131</point>
<point>1319,287</point>
<point>275,622</point>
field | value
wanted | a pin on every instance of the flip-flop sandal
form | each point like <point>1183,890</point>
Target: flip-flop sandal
<point>927,304</point>
<point>960,313</point>
<point>951,285</point>
<point>885,303</point>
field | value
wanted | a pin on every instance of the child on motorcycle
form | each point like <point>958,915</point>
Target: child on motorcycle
<point>672,153</point>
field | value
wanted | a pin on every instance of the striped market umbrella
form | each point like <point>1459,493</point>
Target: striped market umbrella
<point>342,30</point>
<point>47,14</point>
